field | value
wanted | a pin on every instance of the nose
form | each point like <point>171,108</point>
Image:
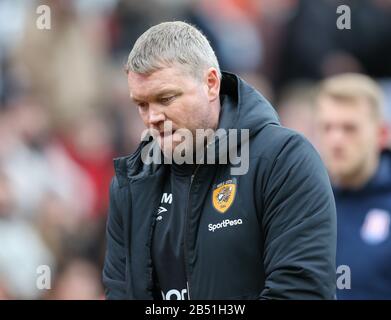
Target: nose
<point>336,135</point>
<point>156,116</point>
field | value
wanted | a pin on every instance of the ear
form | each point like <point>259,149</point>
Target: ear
<point>384,137</point>
<point>213,84</point>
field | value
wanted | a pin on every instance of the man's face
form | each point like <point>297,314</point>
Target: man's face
<point>170,94</point>
<point>348,135</point>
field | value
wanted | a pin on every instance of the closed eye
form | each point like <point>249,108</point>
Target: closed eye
<point>166,100</point>
<point>142,105</point>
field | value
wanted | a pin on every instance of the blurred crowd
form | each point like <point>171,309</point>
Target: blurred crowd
<point>65,111</point>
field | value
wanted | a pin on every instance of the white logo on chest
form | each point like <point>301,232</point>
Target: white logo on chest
<point>376,226</point>
<point>166,199</point>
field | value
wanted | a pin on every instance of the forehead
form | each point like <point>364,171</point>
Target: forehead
<point>142,86</point>
<point>331,108</point>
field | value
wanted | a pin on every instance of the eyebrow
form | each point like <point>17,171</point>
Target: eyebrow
<point>168,91</point>
<point>160,94</point>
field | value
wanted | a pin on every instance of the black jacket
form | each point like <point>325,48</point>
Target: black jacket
<point>283,247</point>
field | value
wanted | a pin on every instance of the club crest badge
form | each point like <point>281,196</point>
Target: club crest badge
<point>224,195</point>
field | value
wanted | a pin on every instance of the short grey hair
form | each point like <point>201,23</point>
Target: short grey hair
<point>172,43</point>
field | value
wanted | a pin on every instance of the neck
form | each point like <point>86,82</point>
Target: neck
<point>216,109</point>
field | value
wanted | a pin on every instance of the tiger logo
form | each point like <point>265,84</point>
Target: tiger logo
<point>223,195</point>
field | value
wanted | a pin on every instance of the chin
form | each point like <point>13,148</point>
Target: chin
<point>342,172</point>
<point>168,152</point>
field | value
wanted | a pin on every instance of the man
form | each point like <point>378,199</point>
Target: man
<point>196,230</point>
<point>352,136</point>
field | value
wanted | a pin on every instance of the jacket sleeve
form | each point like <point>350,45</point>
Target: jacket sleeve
<point>299,225</point>
<point>114,269</point>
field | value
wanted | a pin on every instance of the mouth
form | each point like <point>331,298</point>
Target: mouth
<point>166,133</point>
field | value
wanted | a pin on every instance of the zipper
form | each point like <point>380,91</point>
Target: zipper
<point>186,232</point>
<point>150,242</point>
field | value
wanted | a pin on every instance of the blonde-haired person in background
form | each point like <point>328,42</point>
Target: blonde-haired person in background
<point>352,136</point>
